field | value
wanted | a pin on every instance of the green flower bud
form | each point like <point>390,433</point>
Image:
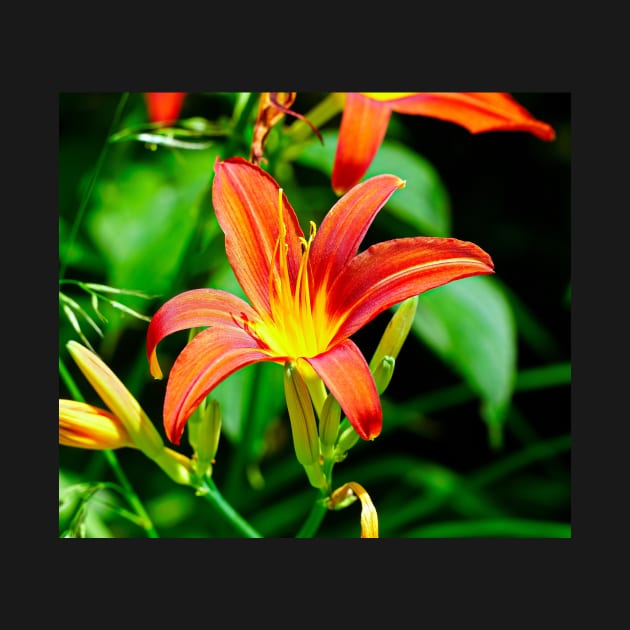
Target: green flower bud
<point>204,430</point>
<point>303,424</point>
<point>348,438</point>
<point>396,332</point>
<point>329,426</point>
<point>383,373</point>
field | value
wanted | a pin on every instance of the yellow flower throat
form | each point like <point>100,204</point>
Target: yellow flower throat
<point>297,325</point>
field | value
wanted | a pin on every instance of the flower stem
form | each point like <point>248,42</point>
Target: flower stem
<point>313,520</point>
<point>130,494</point>
<point>319,115</point>
<point>238,523</point>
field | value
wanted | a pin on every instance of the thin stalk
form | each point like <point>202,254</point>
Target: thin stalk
<point>317,116</point>
<point>238,523</point>
<point>313,520</point>
<point>238,133</point>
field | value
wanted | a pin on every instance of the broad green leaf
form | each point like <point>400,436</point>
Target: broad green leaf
<point>423,204</point>
<point>144,218</point>
<point>469,324</point>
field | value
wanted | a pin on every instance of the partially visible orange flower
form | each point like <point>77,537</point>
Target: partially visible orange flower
<point>366,117</point>
<point>85,426</point>
<point>164,107</point>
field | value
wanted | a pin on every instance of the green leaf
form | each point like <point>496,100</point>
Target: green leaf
<point>423,204</point>
<point>143,220</point>
<point>470,326</point>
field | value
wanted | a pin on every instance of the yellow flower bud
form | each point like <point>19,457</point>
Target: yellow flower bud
<point>85,426</point>
<point>118,399</point>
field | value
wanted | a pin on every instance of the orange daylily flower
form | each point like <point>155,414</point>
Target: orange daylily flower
<point>164,107</point>
<point>366,116</point>
<point>307,296</point>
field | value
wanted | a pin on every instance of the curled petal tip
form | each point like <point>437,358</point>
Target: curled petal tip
<point>154,367</point>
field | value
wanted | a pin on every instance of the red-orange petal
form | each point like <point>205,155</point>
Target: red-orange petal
<point>347,375</point>
<point>390,272</point>
<point>164,107</point>
<point>363,127</point>
<point>194,309</point>
<point>339,236</point>
<point>245,200</point>
<point>208,359</point>
<point>476,111</point>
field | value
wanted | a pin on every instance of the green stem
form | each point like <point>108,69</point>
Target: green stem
<point>112,460</point>
<point>238,133</point>
<point>313,520</point>
<point>130,493</point>
<point>238,523</point>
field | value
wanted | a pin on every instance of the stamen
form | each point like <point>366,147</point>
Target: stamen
<point>292,328</point>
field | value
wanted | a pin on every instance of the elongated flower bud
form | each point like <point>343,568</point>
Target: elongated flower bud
<point>348,438</point>
<point>85,426</point>
<point>396,332</point>
<point>204,430</point>
<point>383,373</point>
<point>303,424</point>
<point>329,426</point>
<point>118,399</point>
